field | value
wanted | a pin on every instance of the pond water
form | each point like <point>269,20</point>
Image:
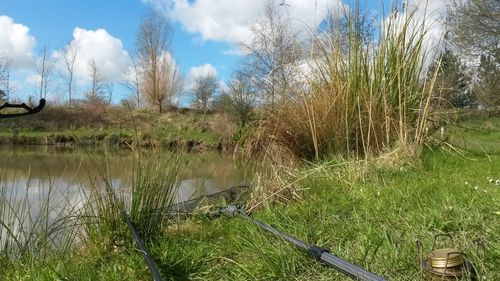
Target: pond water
<point>34,167</point>
<point>44,186</point>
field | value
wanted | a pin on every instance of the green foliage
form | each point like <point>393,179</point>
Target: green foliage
<point>39,234</point>
<point>116,127</point>
<point>35,225</point>
<point>358,220</point>
<point>488,86</point>
<point>240,99</point>
<point>155,184</point>
<point>451,86</point>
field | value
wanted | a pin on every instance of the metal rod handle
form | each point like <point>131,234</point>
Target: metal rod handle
<point>319,253</point>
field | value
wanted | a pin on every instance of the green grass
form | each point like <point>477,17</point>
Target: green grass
<point>373,222</point>
<point>477,135</point>
<point>119,127</point>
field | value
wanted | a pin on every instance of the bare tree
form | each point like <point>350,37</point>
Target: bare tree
<point>204,88</point>
<point>43,66</point>
<point>110,87</point>
<point>153,42</point>
<point>69,57</point>
<point>132,81</point>
<point>171,80</point>
<point>239,98</point>
<point>273,53</point>
<point>98,81</point>
<point>475,27</point>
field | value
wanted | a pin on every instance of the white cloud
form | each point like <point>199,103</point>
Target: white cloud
<point>196,71</point>
<point>16,43</point>
<point>433,15</point>
<point>231,21</point>
<point>107,51</point>
<point>206,69</point>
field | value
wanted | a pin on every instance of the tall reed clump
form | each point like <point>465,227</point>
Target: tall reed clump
<point>155,179</point>
<point>366,92</point>
<point>154,190</point>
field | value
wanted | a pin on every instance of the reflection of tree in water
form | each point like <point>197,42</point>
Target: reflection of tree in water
<point>68,169</point>
<point>47,184</point>
<point>34,208</point>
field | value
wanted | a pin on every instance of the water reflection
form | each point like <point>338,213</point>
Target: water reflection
<point>41,186</point>
<point>35,168</point>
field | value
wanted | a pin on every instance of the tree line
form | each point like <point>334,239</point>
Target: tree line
<point>273,64</point>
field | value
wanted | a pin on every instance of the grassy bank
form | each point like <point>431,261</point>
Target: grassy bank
<point>372,219</point>
<point>374,224</point>
<point>65,126</point>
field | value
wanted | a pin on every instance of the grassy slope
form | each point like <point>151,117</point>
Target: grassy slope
<point>374,224</point>
<point>119,124</point>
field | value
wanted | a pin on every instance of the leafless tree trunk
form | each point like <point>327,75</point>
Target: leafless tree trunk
<point>109,90</point>
<point>70,55</point>
<point>204,89</point>
<point>152,45</point>
<point>98,81</point>
<point>43,66</point>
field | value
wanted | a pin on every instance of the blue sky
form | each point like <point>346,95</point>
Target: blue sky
<point>206,32</point>
<point>52,22</point>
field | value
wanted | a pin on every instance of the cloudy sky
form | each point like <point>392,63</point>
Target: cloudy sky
<point>206,33</point>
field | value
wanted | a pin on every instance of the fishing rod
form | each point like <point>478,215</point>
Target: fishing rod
<point>28,110</point>
<point>142,247</point>
<point>319,253</point>
<point>135,235</point>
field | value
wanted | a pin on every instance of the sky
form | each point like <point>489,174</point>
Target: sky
<point>206,34</point>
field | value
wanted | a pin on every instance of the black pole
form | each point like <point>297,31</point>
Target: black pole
<point>317,252</point>
<point>142,247</point>
<point>151,265</point>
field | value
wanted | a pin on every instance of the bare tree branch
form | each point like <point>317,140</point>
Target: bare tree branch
<point>132,81</point>
<point>43,66</point>
<point>475,27</point>
<point>5,87</point>
<point>98,82</point>
<point>204,89</point>
<point>159,74</point>
<point>273,53</point>
<point>69,57</point>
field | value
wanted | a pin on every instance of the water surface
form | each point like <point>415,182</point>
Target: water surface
<point>35,168</point>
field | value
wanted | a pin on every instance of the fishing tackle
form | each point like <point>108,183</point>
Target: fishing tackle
<point>319,253</point>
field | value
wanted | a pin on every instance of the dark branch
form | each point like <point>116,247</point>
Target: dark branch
<point>29,110</point>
